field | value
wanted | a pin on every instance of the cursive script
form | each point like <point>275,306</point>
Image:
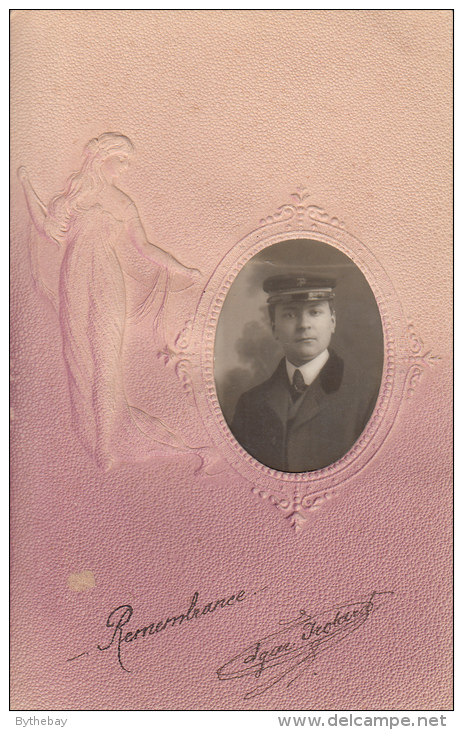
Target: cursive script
<point>120,617</point>
<point>285,654</point>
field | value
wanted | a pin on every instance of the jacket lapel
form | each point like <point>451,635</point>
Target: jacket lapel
<point>313,402</point>
<point>278,396</point>
<point>316,398</point>
<point>317,395</point>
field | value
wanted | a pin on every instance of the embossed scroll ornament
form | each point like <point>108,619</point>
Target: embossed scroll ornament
<point>300,235</point>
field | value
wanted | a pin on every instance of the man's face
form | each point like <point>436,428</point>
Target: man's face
<point>303,329</point>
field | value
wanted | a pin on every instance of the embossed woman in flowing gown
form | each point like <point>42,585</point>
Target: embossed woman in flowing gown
<point>99,229</point>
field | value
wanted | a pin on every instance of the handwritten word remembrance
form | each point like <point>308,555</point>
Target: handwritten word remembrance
<point>120,617</point>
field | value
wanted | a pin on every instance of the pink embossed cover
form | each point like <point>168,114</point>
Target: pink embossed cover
<point>165,164</point>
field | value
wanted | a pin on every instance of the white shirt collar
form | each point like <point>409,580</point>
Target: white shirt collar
<point>310,369</point>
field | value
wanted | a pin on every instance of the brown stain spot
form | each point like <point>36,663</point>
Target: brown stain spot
<point>80,582</point>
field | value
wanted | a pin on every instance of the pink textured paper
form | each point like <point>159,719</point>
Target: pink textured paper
<point>230,111</point>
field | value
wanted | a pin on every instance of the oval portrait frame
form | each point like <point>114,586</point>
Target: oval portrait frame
<point>302,221</point>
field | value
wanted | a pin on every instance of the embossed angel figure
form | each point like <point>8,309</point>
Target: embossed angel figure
<point>101,241</point>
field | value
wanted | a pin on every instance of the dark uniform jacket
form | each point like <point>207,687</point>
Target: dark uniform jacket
<point>316,431</point>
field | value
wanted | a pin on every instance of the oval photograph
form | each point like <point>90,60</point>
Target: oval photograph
<point>298,355</point>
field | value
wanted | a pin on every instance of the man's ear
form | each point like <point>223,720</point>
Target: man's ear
<point>333,320</point>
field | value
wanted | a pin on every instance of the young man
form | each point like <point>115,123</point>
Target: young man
<point>313,408</point>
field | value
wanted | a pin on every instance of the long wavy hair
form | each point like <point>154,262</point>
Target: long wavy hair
<point>64,206</point>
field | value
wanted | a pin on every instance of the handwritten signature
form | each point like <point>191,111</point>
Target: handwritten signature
<point>286,654</point>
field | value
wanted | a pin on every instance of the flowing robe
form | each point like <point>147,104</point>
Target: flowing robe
<point>92,308</point>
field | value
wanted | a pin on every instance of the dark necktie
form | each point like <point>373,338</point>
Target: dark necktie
<point>298,387</point>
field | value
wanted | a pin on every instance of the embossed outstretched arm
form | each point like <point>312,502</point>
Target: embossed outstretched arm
<point>37,209</point>
<point>152,252</point>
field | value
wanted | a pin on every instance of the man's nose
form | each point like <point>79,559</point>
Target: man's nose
<point>304,320</point>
